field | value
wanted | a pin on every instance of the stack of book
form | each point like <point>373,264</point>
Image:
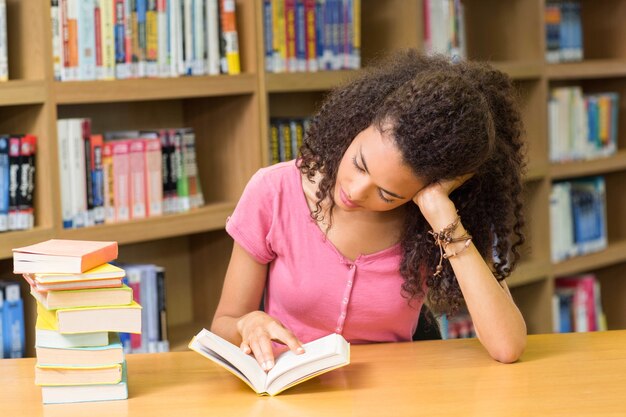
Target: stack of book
<point>82,304</point>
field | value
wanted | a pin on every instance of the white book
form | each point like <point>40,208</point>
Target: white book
<point>188,36</point>
<point>78,181</point>
<point>86,393</point>
<point>57,40</point>
<point>213,37</point>
<point>65,172</point>
<point>320,356</point>
<point>86,40</point>
<point>163,56</point>
<point>199,36</point>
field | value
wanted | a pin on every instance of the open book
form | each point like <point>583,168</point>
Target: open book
<point>320,356</point>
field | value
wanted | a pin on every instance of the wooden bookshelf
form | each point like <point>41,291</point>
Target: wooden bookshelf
<point>80,92</point>
<point>20,92</point>
<point>230,115</point>
<point>596,166</point>
<point>599,68</point>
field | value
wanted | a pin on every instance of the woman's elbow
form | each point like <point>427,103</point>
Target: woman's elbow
<point>510,352</point>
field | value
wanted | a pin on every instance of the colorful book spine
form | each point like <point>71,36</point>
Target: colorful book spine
<point>4,183</point>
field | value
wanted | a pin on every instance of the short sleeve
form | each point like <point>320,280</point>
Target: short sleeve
<point>251,222</point>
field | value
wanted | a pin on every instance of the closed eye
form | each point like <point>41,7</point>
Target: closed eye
<point>356,164</point>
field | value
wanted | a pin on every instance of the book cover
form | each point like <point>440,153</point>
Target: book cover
<point>94,319</point>
<point>63,256</point>
<point>54,375</point>
<point>82,356</point>
<point>320,356</point>
<point>47,336</point>
<point>95,297</point>
<point>86,393</point>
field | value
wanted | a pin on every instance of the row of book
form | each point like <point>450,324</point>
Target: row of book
<point>17,182</point>
<point>12,333</point>
<point>109,39</point>
<point>582,126</point>
<point>564,33</point>
<point>4,44</point>
<point>124,175</point>
<point>77,343</point>
<point>578,217</point>
<point>286,137</point>
<point>444,27</point>
<point>311,35</point>
<point>577,305</point>
<point>459,326</point>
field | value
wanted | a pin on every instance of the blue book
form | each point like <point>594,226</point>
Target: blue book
<point>300,24</point>
<point>565,311</point>
<point>268,35</point>
<point>4,183</point>
<point>320,32</point>
<point>12,320</point>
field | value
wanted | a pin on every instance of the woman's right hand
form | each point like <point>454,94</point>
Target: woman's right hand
<point>258,330</point>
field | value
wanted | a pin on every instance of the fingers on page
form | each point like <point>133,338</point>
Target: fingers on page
<point>263,353</point>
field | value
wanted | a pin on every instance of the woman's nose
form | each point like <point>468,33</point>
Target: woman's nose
<point>358,189</point>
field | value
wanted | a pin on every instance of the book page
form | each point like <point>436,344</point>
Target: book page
<point>232,355</point>
<point>328,351</point>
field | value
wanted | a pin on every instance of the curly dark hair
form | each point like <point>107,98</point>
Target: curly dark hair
<point>447,119</point>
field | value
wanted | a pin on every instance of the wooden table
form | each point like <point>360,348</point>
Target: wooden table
<point>569,375</point>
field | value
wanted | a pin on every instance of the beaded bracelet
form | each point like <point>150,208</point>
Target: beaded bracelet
<point>444,237</point>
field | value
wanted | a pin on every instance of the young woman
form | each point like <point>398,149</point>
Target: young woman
<point>407,191</point>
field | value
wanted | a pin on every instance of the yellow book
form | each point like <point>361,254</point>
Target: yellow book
<point>105,271</point>
<point>96,297</point>
<point>126,319</point>
<point>320,356</point>
<point>53,375</point>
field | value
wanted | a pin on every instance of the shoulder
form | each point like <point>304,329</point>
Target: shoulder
<point>279,177</point>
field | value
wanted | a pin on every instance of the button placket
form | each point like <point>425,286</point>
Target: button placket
<point>346,298</point>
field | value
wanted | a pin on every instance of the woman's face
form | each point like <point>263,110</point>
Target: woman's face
<point>372,175</point>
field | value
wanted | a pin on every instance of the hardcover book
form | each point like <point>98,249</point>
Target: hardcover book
<point>63,256</point>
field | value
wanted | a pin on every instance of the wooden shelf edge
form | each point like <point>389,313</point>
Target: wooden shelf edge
<point>528,272</point>
<point>612,163</point>
<point>153,89</point>
<point>18,239</point>
<point>613,254</point>
<point>204,219</point>
<point>306,81</point>
<point>20,92</point>
<point>587,69</point>
<point>520,70</point>
<point>536,172</point>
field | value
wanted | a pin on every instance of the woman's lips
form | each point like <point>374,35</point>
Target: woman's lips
<point>344,198</point>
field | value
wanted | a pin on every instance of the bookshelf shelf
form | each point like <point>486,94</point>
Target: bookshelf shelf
<point>613,163</point>
<point>520,70</point>
<point>529,272</point>
<point>204,219</point>
<point>306,81</point>
<point>13,93</point>
<point>598,68</point>
<point>153,89</point>
<point>10,240</point>
<point>615,253</point>
<point>536,171</point>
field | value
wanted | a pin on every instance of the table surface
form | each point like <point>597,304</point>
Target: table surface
<point>577,374</point>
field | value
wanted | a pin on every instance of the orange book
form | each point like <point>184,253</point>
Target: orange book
<point>63,256</point>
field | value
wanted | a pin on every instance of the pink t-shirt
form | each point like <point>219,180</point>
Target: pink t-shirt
<point>312,289</point>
